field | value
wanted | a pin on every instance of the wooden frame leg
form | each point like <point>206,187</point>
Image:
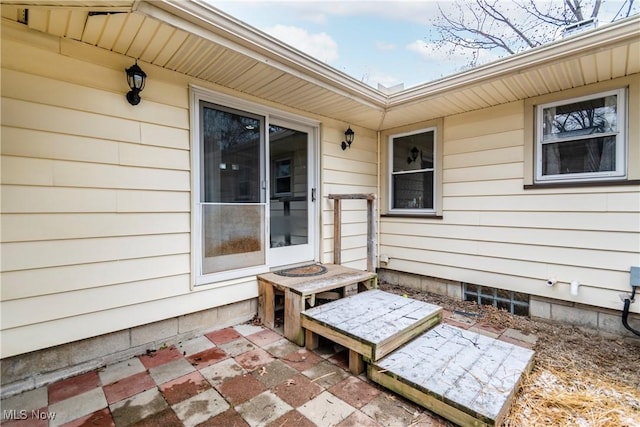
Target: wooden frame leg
<point>266,304</point>
<point>293,305</point>
<point>356,363</point>
<point>312,340</point>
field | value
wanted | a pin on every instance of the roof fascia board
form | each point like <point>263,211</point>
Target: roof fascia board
<point>610,35</point>
<point>211,24</point>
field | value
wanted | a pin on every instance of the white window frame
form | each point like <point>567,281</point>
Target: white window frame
<point>414,211</point>
<point>621,144</point>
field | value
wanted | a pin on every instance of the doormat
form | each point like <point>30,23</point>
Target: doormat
<point>303,271</point>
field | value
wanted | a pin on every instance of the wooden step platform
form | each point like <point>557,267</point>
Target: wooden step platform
<point>370,324</point>
<point>301,291</point>
<point>465,377</point>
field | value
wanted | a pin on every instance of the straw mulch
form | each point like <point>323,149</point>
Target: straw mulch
<point>580,378</point>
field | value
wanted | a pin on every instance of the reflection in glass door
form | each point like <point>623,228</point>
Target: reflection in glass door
<point>290,189</point>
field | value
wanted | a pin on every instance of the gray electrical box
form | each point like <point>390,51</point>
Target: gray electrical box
<point>635,276</point>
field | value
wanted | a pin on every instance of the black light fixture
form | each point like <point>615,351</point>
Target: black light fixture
<point>348,136</point>
<point>136,79</point>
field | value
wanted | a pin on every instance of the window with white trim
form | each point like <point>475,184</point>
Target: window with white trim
<point>413,172</point>
<point>582,139</point>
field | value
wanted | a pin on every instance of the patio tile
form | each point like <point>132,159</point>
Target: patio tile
<point>281,348</point>
<point>170,371</point>
<point>101,418</point>
<point>325,374</point>
<point>263,409</point>
<point>206,358</point>
<point>195,345</point>
<point>164,418</point>
<point>274,373</point>
<point>138,407</point>
<point>156,358</point>
<point>77,406</point>
<point>237,347</point>
<point>355,392</point>
<point>358,419</point>
<point>302,359</point>
<point>326,410</point>
<point>118,371</point>
<point>27,401</point>
<point>200,408</point>
<point>292,418</point>
<point>298,390</point>
<point>264,337</point>
<point>391,411</point>
<point>240,389</point>
<point>253,359</point>
<point>128,387</point>
<point>219,372</point>
<point>223,336</point>
<point>246,329</point>
<point>229,418</point>
<point>73,386</point>
<point>184,387</point>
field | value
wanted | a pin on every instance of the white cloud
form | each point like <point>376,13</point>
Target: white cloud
<point>460,57</point>
<point>320,45</point>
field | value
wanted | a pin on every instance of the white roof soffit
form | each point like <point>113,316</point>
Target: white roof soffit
<point>93,5</point>
<point>202,19</point>
<point>608,36</point>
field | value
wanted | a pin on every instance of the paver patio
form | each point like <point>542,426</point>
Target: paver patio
<point>245,375</point>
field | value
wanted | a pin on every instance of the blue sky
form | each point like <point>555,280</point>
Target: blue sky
<point>373,41</point>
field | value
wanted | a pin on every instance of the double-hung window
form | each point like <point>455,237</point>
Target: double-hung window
<point>582,139</point>
<point>413,172</point>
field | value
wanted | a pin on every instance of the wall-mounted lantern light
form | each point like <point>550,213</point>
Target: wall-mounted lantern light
<point>348,136</point>
<point>136,79</point>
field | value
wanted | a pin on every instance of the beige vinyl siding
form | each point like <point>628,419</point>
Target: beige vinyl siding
<point>95,199</point>
<point>495,233</point>
<point>353,171</point>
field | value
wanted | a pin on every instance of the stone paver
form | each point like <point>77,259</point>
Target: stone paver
<point>77,406</point>
<point>135,408</point>
<point>237,347</point>
<point>195,345</point>
<point>274,373</point>
<point>263,409</point>
<point>326,409</point>
<point>120,370</point>
<point>170,371</point>
<point>200,408</point>
<point>219,372</point>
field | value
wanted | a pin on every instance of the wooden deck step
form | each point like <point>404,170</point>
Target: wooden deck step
<point>370,324</point>
<point>465,377</point>
<point>301,291</point>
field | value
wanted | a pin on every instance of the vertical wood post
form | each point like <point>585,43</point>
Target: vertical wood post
<point>371,227</point>
<point>371,233</point>
<point>337,232</point>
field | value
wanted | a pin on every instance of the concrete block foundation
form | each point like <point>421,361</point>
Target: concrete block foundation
<point>547,309</point>
<point>36,369</point>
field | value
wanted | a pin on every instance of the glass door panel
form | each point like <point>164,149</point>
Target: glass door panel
<point>290,208</point>
<point>232,202</point>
